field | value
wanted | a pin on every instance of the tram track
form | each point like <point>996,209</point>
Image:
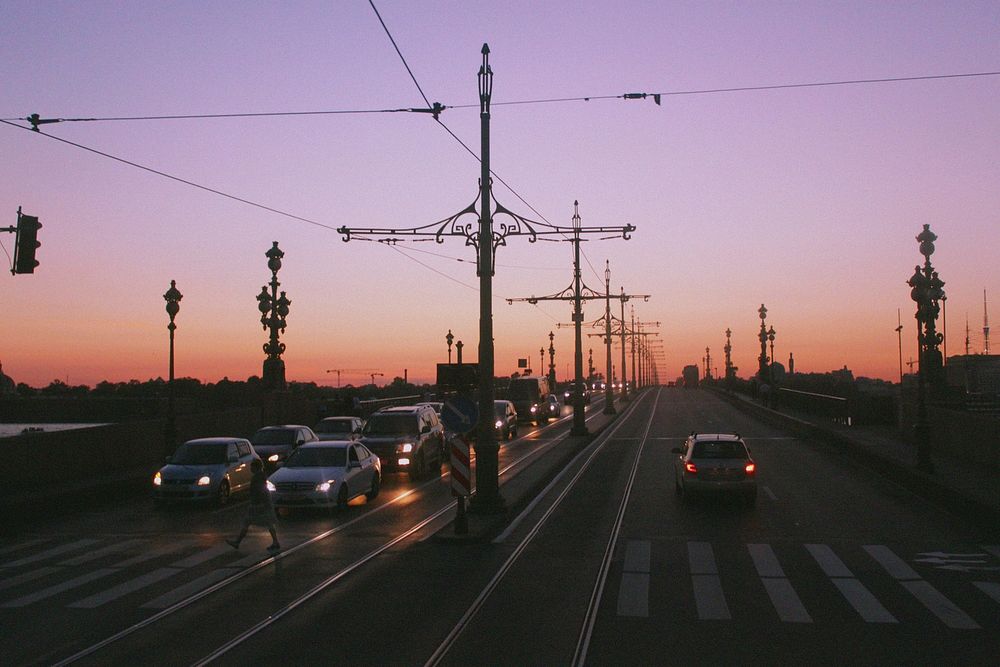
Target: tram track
<point>343,572</point>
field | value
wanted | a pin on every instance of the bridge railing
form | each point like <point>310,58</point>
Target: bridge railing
<point>836,408</point>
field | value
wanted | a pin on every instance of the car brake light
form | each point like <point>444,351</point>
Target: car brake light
<point>750,468</point>
<point>690,467</point>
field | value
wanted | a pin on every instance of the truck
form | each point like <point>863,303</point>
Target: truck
<point>690,375</point>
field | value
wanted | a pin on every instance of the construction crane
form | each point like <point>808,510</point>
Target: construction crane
<point>338,371</point>
<point>374,374</point>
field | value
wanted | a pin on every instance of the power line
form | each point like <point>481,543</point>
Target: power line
<point>177,178</point>
<point>400,53</point>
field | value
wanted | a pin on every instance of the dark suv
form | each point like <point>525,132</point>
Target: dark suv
<point>406,439</point>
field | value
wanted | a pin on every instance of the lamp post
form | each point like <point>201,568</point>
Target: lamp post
<point>762,336</point>
<point>449,338</point>
<point>273,311</point>
<point>770,368</point>
<point>541,360</point>
<point>728,349</point>
<point>552,358</point>
<point>172,297</point>
<point>609,398</point>
<point>926,291</point>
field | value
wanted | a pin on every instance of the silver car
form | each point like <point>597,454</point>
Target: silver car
<point>325,474</point>
<point>207,469</point>
<point>715,462</point>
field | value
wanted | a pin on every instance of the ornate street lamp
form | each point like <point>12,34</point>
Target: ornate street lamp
<point>552,358</point>
<point>449,338</point>
<point>609,398</point>
<point>172,297</point>
<point>762,359</point>
<point>728,349</point>
<point>273,311</point>
<point>770,338</point>
<point>926,291</point>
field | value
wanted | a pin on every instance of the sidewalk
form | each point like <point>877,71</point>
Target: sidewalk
<point>528,481</point>
<point>962,486</point>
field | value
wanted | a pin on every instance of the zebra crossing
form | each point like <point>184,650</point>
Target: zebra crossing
<point>92,572</point>
<point>702,578</point>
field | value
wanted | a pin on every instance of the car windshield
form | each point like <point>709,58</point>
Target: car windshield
<point>189,454</point>
<point>339,426</point>
<point>724,449</point>
<point>318,457</point>
<point>274,436</point>
<point>391,425</point>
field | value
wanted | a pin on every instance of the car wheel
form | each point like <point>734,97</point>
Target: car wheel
<point>222,495</point>
<point>373,492</point>
<point>342,496</point>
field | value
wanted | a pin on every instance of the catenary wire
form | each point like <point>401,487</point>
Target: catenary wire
<point>398,52</point>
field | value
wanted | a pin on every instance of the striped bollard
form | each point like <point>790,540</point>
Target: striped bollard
<point>461,476</point>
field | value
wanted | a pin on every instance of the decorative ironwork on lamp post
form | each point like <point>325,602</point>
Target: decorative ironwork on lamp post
<point>273,311</point>
<point>770,339</point>
<point>173,298</point>
<point>552,358</point>
<point>762,359</point>
<point>926,291</point>
<point>449,338</point>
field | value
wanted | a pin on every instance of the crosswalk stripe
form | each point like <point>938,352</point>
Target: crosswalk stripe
<point>190,588</point>
<point>117,547</point>
<point>709,597</point>
<point>59,588</point>
<point>171,547</point>
<point>31,575</point>
<point>21,546</point>
<point>859,597</point>
<point>633,595</point>
<point>124,589</point>
<point>784,598</point>
<point>988,587</point>
<point>930,597</point>
<point>940,606</point>
<point>204,555</point>
<point>54,551</point>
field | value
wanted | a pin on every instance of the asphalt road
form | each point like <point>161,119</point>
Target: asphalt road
<point>833,565</point>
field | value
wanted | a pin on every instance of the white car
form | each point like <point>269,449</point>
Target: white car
<point>325,474</point>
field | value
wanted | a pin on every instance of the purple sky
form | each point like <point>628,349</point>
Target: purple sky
<point>805,199</point>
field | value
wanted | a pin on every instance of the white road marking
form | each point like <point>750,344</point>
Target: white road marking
<point>31,575</point>
<point>990,588</point>
<point>928,596</point>
<point>784,598</point>
<point>859,597</point>
<point>54,551</point>
<point>204,555</point>
<point>59,588</point>
<point>98,553</point>
<point>190,588</point>
<point>124,589</point>
<point>708,595</point>
<point>162,550</point>
<point>21,545</point>
<point>633,595</point>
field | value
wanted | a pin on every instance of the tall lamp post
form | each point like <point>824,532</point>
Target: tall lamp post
<point>172,297</point>
<point>552,358</point>
<point>609,398</point>
<point>273,311</point>
<point>770,338</point>
<point>449,338</point>
<point>762,336</point>
<point>926,291</point>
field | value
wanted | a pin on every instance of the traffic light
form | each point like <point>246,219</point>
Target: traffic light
<point>26,243</point>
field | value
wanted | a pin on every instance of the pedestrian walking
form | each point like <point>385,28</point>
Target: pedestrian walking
<point>261,509</point>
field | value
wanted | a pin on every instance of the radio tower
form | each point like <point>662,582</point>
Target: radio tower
<point>986,326</point>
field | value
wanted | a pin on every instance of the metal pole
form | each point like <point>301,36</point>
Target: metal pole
<point>632,340</point>
<point>609,397</point>
<point>579,422</point>
<point>487,498</point>
<point>624,368</point>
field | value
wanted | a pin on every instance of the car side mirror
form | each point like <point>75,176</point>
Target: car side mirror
<point>425,429</point>
<point>298,443</point>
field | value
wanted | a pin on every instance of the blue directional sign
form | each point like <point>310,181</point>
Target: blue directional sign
<point>460,414</point>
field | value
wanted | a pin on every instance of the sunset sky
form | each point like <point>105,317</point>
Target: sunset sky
<point>805,199</point>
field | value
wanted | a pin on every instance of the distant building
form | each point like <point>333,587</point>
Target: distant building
<point>975,373</point>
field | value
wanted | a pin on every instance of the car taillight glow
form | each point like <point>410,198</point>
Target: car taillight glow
<point>690,467</point>
<point>750,468</point>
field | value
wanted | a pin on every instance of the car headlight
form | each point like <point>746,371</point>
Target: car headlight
<point>499,424</point>
<point>404,448</point>
<point>272,458</point>
<point>270,486</point>
<point>204,480</point>
<point>323,487</point>
<point>404,462</point>
<point>157,480</point>
<point>534,408</point>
